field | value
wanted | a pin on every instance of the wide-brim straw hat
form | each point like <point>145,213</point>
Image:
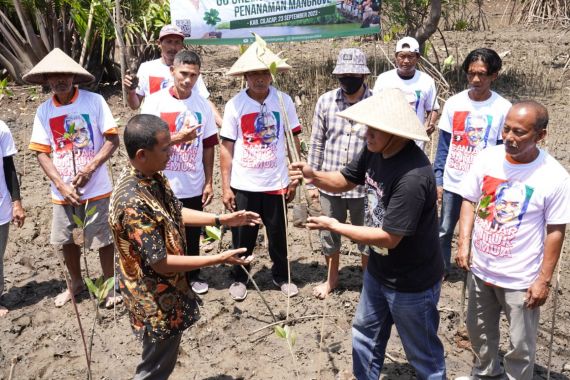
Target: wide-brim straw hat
<point>257,58</point>
<point>387,111</point>
<point>57,62</point>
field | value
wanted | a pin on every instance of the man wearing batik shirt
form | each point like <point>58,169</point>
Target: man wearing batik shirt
<point>470,122</point>
<point>153,76</point>
<point>254,164</point>
<point>418,86</point>
<point>191,164</point>
<point>148,226</point>
<point>516,204</point>
<point>335,141</point>
<point>77,129</point>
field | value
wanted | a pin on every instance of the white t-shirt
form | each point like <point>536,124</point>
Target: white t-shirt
<point>91,117</point>
<point>515,204</point>
<point>259,160</point>
<point>473,127</point>
<point>155,76</point>
<point>185,169</point>
<point>419,90</point>
<point>7,148</point>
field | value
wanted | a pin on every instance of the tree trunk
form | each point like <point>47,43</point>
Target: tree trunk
<point>430,25</point>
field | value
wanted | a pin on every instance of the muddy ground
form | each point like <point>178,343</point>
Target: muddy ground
<point>39,341</point>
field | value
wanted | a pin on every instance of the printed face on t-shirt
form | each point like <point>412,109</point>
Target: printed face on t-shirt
<point>266,128</point>
<point>509,202</point>
<point>475,128</point>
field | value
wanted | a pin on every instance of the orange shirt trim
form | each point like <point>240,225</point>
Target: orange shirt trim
<point>73,98</point>
<point>39,147</point>
<point>112,131</point>
<point>59,202</point>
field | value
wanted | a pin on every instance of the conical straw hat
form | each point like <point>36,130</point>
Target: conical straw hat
<point>257,58</point>
<point>387,111</point>
<point>57,62</point>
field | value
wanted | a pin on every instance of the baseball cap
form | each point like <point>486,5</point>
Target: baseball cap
<point>170,30</point>
<point>351,61</point>
<point>408,44</point>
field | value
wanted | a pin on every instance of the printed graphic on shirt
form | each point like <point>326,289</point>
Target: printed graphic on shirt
<point>69,131</point>
<point>373,207</point>
<point>183,156</point>
<point>260,131</point>
<point>501,208</point>
<point>413,97</point>
<point>470,135</point>
<point>157,83</point>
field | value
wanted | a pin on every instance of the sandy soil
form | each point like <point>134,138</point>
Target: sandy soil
<point>232,340</point>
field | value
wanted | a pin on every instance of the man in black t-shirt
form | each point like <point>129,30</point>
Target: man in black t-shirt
<point>403,280</point>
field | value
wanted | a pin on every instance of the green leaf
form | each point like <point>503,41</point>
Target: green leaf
<point>92,219</point>
<point>213,233</point>
<point>293,338</point>
<point>71,129</point>
<point>107,287</point>
<point>91,211</point>
<point>77,221</point>
<point>90,286</point>
<point>273,68</point>
<point>280,332</point>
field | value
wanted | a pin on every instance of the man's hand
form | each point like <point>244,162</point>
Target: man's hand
<point>131,82</point>
<point>462,257</point>
<point>207,194</point>
<point>82,177</point>
<point>70,194</point>
<point>537,294</point>
<point>429,126</point>
<point>188,133</point>
<point>229,199</point>
<point>240,218</point>
<point>321,223</point>
<point>232,257</point>
<point>300,170</point>
<point>439,195</point>
<point>18,214</point>
<point>291,191</point>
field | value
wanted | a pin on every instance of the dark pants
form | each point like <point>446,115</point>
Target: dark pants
<point>158,358</point>
<point>270,208</point>
<point>193,233</point>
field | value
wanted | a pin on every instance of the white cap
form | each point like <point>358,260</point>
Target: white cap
<point>408,44</point>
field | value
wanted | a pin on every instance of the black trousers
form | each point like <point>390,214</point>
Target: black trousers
<point>193,233</point>
<point>270,208</point>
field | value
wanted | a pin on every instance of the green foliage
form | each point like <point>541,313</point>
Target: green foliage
<point>483,207</point>
<point>286,333</point>
<point>213,233</point>
<point>90,215</point>
<point>4,90</point>
<point>212,17</point>
<point>101,288</point>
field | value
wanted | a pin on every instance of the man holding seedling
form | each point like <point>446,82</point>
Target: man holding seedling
<point>335,141</point>
<point>402,281</point>
<point>194,136</point>
<point>73,136</point>
<point>254,164</point>
<point>148,226</point>
<point>516,204</point>
<point>156,75</point>
<point>418,86</point>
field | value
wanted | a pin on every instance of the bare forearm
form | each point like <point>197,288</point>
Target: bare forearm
<point>195,218</point>
<point>208,162</point>
<point>367,235</point>
<point>226,157</point>
<point>173,263</point>
<point>334,182</point>
<point>134,100</point>
<point>552,248</point>
<point>109,147</point>
<point>49,169</point>
<point>466,220</point>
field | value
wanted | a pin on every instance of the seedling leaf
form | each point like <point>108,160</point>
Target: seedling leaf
<point>213,233</point>
<point>91,211</point>
<point>280,332</point>
<point>91,286</point>
<point>92,219</point>
<point>77,221</point>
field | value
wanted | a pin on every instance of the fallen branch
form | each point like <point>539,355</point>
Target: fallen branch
<point>289,321</point>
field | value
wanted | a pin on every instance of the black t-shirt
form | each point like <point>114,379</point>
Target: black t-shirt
<point>401,199</point>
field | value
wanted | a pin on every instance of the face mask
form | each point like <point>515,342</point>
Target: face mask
<point>350,85</point>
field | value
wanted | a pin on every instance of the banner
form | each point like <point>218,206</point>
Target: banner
<point>225,22</point>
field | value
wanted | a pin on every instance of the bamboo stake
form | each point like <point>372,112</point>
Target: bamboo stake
<point>87,34</point>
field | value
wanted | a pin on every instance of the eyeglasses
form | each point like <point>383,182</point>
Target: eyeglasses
<point>472,75</point>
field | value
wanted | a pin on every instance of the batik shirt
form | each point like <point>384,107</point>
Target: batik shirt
<point>146,220</point>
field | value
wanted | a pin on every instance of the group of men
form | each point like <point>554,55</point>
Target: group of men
<point>366,159</point>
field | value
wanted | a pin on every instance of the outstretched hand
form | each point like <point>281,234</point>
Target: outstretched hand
<point>321,223</point>
<point>299,171</point>
<point>232,257</point>
<point>240,218</point>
